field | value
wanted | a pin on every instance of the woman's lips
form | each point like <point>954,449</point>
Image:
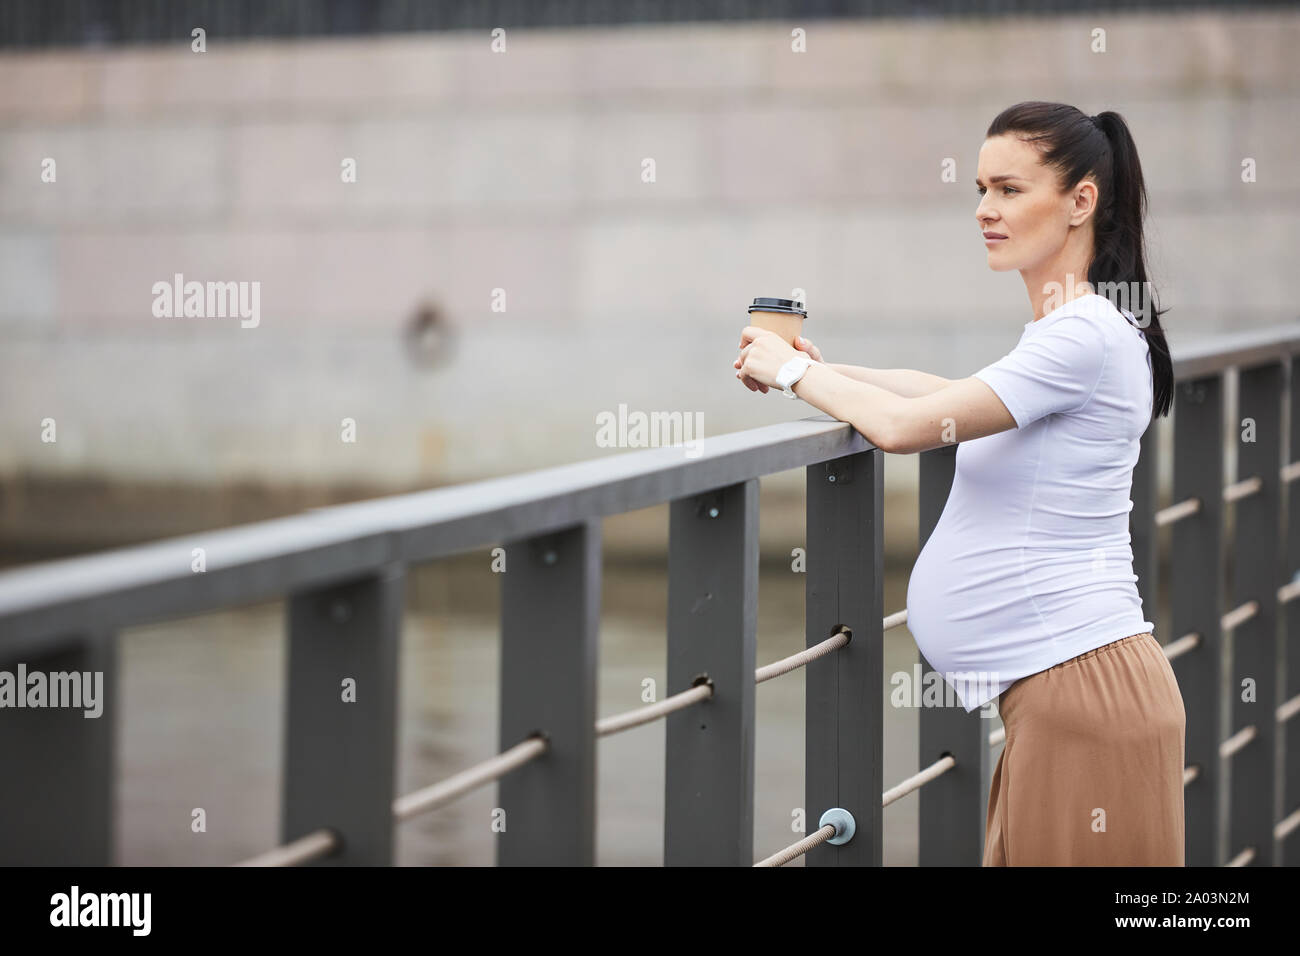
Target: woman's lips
<point>993,240</point>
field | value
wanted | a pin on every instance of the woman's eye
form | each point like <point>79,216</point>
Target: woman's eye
<point>1011,189</point>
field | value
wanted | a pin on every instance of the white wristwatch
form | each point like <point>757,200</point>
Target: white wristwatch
<point>792,371</point>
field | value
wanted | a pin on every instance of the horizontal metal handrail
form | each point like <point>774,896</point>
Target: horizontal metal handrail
<point>270,559</point>
<point>1245,349</point>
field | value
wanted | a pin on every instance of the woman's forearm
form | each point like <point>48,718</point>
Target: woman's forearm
<point>874,411</point>
<point>907,382</point>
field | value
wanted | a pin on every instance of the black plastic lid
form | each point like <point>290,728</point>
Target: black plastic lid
<point>793,306</point>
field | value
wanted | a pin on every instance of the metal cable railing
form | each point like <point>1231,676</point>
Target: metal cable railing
<point>1233,492</point>
<point>341,570</point>
<point>311,846</point>
<point>782,857</point>
<point>317,844</point>
<point>1174,649</point>
<point>916,780</point>
<point>321,843</point>
<point>795,661</point>
<point>439,794</point>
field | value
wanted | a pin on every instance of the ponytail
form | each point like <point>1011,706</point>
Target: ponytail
<point>1101,146</point>
<point>1119,260</point>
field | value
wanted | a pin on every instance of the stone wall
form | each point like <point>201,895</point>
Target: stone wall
<point>523,171</point>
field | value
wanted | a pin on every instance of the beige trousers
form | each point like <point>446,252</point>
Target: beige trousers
<point>1092,770</point>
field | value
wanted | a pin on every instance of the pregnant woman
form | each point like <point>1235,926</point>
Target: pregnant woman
<point>1025,591</point>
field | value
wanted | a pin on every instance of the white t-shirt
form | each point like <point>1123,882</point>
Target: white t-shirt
<point>1030,563</point>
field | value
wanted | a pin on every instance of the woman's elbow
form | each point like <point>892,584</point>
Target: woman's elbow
<point>883,437</point>
<point>903,435</point>
<point>891,426</point>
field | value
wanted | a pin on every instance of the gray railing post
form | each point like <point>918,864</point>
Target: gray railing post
<point>843,732</point>
<point>550,619</point>
<point>341,715</point>
<point>56,789</point>
<point>952,806</point>
<point>712,620</point>
<point>1196,579</point>
<point>1257,574</point>
<point>1289,851</point>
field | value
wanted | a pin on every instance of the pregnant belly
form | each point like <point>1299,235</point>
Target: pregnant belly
<point>958,591</point>
<point>959,610</point>
<point>970,605</point>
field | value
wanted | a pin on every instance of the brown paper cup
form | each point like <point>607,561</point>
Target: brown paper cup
<point>785,324</point>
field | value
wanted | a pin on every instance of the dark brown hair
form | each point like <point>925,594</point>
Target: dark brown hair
<point>1078,145</point>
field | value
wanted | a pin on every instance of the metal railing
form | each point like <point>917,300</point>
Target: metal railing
<point>343,571</point>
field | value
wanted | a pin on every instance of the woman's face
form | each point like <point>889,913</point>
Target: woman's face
<point>1020,199</point>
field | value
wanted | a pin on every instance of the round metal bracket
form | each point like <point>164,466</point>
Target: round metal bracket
<point>842,821</point>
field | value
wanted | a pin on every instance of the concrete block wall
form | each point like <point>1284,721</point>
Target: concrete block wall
<point>522,171</point>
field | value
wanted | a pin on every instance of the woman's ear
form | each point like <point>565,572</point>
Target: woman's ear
<point>1085,202</point>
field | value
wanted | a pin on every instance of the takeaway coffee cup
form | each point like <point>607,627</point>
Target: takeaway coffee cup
<point>782,316</point>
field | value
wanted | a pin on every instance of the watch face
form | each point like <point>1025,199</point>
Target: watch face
<point>789,371</point>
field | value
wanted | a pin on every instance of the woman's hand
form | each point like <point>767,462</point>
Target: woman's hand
<point>813,351</point>
<point>800,343</point>
<point>747,336</point>
<point>761,356</point>
<point>745,380</point>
